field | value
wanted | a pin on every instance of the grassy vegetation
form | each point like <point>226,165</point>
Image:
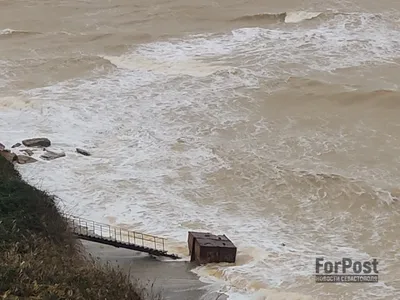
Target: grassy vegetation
<point>39,258</point>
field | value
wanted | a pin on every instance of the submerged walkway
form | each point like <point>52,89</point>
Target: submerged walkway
<point>118,237</point>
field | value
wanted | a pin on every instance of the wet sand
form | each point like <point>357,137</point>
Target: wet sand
<point>170,279</point>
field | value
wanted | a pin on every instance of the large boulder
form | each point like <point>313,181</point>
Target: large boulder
<point>37,142</point>
<point>50,155</point>
<point>24,159</point>
<point>7,154</point>
<point>2,147</point>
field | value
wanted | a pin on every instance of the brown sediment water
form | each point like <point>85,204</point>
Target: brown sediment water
<point>268,122</point>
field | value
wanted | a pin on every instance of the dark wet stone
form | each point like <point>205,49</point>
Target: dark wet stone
<point>8,155</point>
<point>16,145</point>
<point>25,159</point>
<point>83,152</point>
<point>37,142</point>
<point>49,155</point>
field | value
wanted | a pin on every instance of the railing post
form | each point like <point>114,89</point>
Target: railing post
<point>76,222</point>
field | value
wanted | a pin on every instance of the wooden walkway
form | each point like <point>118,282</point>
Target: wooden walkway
<point>118,237</point>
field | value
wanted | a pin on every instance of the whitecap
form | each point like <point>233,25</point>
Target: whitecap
<point>299,16</point>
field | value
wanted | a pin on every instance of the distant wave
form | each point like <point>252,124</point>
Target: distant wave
<point>12,32</point>
<point>285,17</point>
<point>273,18</point>
<point>378,98</point>
<point>327,184</point>
<point>18,103</point>
<point>299,16</point>
<point>343,94</point>
<point>76,61</point>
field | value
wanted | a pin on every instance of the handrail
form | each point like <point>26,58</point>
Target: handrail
<point>91,228</point>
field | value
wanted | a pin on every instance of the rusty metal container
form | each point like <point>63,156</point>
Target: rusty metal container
<point>205,247</point>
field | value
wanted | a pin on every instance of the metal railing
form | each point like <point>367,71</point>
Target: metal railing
<point>95,229</point>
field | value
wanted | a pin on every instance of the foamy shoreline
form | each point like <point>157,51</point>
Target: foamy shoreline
<point>171,280</point>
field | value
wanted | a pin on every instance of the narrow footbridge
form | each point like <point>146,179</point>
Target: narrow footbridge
<point>118,237</point>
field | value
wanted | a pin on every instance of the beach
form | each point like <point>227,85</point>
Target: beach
<point>169,279</point>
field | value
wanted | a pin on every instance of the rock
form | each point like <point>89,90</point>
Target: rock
<point>27,151</point>
<point>50,155</point>
<point>16,145</point>
<point>24,159</point>
<point>8,155</point>
<point>83,152</point>
<point>2,147</point>
<point>37,142</point>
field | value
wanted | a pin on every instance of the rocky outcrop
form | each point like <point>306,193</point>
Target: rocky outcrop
<point>37,142</point>
<point>7,154</point>
<point>83,152</point>
<point>50,155</point>
<point>33,150</point>
<point>24,159</point>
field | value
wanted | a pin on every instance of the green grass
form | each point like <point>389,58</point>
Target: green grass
<point>39,257</point>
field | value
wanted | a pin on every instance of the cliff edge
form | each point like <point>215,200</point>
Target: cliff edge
<point>39,257</point>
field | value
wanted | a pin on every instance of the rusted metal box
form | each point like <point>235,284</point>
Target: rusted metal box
<point>205,247</point>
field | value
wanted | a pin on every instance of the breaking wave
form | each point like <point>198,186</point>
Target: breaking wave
<point>189,67</point>
<point>12,32</point>
<point>18,103</point>
<point>291,17</point>
<point>285,17</point>
<point>343,95</point>
<point>21,73</point>
<point>299,16</point>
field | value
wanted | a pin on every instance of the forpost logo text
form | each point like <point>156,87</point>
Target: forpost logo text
<point>346,270</point>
